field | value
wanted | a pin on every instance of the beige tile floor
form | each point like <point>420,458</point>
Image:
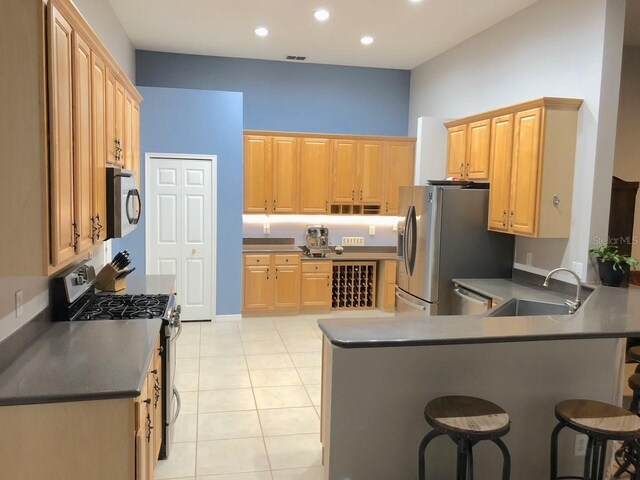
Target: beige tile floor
<point>250,400</point>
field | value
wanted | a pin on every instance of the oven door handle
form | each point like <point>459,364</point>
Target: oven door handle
<point>176,394</point>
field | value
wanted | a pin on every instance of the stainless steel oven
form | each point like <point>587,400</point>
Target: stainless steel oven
<point>124,205</point>
<point>172,404</point>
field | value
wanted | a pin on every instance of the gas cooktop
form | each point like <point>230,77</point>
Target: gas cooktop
<point>115,307</point>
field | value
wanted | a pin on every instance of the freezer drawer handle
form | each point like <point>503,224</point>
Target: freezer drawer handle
<point>411,304</point>
<point>470,297</point>
<point>176,394</point>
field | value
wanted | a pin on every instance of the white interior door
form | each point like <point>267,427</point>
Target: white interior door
<point>180,224</point>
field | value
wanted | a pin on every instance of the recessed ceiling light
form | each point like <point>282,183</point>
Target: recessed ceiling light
<point>321,15</point>
<point>415,1</point>
<point>366,40</point>
<point>261,31</point>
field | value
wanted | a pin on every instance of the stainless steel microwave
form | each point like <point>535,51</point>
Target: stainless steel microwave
<point>124,205</point>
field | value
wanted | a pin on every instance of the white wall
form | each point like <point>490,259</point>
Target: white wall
<point>627,160</point>
<point>570,48</point>
<point>105,23</point>
<point>431,149</point>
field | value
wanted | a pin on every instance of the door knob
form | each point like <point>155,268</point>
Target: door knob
<point>194,251</point>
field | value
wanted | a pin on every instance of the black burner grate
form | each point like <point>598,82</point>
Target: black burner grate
<point>115,307</point>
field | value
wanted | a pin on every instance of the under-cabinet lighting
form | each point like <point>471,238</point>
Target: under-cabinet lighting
<point>377,220</point>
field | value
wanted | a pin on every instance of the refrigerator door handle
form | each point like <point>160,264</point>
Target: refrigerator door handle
<point>414,236</point>
<point>405,245</point>
<point>407,302</point>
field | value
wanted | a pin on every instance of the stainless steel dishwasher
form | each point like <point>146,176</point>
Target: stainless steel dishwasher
<point>468,302</point>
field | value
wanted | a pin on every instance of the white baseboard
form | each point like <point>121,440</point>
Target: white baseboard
<point>229,318</point>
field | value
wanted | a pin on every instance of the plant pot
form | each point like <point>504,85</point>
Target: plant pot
<point>612,277</point>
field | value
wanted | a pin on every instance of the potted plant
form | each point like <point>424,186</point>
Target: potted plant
<point>612,265</point>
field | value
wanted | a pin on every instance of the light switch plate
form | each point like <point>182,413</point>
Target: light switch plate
<point>19,303</point>
<point>372,229</point>
<point>529,259</point>
<point>578,267</point>
<point>266,229</point>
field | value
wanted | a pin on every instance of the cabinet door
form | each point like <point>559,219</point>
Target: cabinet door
<point>500,172</point>
<point>61,148</point>
<point>526,172</point>
<point>257,174</point>
<point>127,136</point>
<point>316,290</point>
<point>98,140</point>
<point>370,161</point>
<point>456,151</point>
<point>343,171</point>
<point>287,287</point>
<point>110,118</point>
<point>399,160</point>
<point>315,156</point>
<point>257,288</point>
<point>479,139</point>
<point>135,141</point>
<point>157,402</point>
<point>285,174</point>
<point>83,153</point>
<point>119,122</point>
<point>142,434</point>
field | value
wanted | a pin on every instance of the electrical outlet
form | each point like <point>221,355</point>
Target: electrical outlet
<point>266,229</point>
<point>529,259</point>
<point>578,268</point>
<point>351,241</point>
<point>372,229</point>
<point>581,445</point>
<point>395,227</point>
<point>19,303</point>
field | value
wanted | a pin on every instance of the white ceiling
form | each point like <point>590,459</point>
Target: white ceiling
<point>406,34</point>
<point>632,23</point>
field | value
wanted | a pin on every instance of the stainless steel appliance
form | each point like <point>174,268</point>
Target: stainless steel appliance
<point>444,235</point>
<point>317,240</point>
<point>124,205</point>
<point>467,302</point>
<point>74,299</point>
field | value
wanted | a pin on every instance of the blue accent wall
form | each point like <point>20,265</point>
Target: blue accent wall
<point>176,120</point>
<point>288,96</point>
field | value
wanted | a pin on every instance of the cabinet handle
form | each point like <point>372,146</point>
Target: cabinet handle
<point>276,273</point>
<point>76,236</point>
<point>511,222</point>
<point>154,371</point>
<point>265,205</point>
<point>328,280</point>
<point>160,350</point>
<point>267,273</point>
<point>99,225</point>
<point>462,169</point>
<point>504,218</point>
<point>360,195</point>
<point>149,427</point>
<point>353,194</point>
<point>274,204</point>
<point>326,206</point>
<point>387,206</point>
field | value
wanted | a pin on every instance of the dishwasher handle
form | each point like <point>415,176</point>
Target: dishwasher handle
<point>469,302</point>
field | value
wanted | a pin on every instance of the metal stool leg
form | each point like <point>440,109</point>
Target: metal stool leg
<point>421,452</point>
<point>470,461</point>
<point>635,401</point>
<point>602,453</point>
<point>461,470</point>
<point>635,449</point>
<point>506,458</point>
<point>554,451</point>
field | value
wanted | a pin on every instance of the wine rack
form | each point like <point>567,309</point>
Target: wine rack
<point>354,286</point>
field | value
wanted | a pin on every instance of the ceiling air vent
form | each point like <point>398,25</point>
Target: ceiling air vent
<point>296,58</point>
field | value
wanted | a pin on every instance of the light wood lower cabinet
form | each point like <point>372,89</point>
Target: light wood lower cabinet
<point>97,440</point>
<point>271,283</point>
<point>316,285</point>
<point>387,285</point>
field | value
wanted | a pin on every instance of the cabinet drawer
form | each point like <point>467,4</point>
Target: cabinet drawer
<point>291,259</point>
<point>319,267</point>
<point>257,260</point>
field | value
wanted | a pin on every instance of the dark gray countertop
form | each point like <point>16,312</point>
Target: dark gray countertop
<point>74,361</point>
<point>607,313</point>
<point>504,289</point>
<point>270,249</point>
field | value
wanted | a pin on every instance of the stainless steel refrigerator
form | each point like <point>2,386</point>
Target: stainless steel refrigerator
<point>443,235</point>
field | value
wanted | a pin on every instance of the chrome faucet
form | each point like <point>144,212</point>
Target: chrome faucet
<point>572,304</point>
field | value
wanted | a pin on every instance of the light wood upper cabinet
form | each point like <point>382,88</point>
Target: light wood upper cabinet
<point>285,174</point>
<point>399,165</point>
<point>127,135</point>
<point>83,153</point>
<point>257,174</point>
<point>343,171</point>
<point>135,141</point>
<point>119,122</point>
<point>61,126</point>
<point>113,152</point>
<point>526,170</point>
<point>370,161</point>
<point>457,151</point>
<point>479,139</point>
<point>98,140</point>
<point>315,164</point>
<point>500,178</point>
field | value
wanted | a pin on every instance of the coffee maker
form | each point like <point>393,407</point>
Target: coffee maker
<point>317,240</point>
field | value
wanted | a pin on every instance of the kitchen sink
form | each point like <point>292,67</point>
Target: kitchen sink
<point>517,307</point>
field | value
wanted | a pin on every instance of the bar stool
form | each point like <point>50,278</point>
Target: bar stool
<point>634,354</point>
<point>625,455</point>
<point>601,422</point>
<point>467,421</point>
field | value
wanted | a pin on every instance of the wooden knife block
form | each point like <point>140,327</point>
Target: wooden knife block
<point>106,280</point>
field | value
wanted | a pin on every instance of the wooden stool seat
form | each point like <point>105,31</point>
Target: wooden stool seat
<point>592,417</point>
<point>634,353</point>
<point>634,382</point>
<point>467,415</point>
